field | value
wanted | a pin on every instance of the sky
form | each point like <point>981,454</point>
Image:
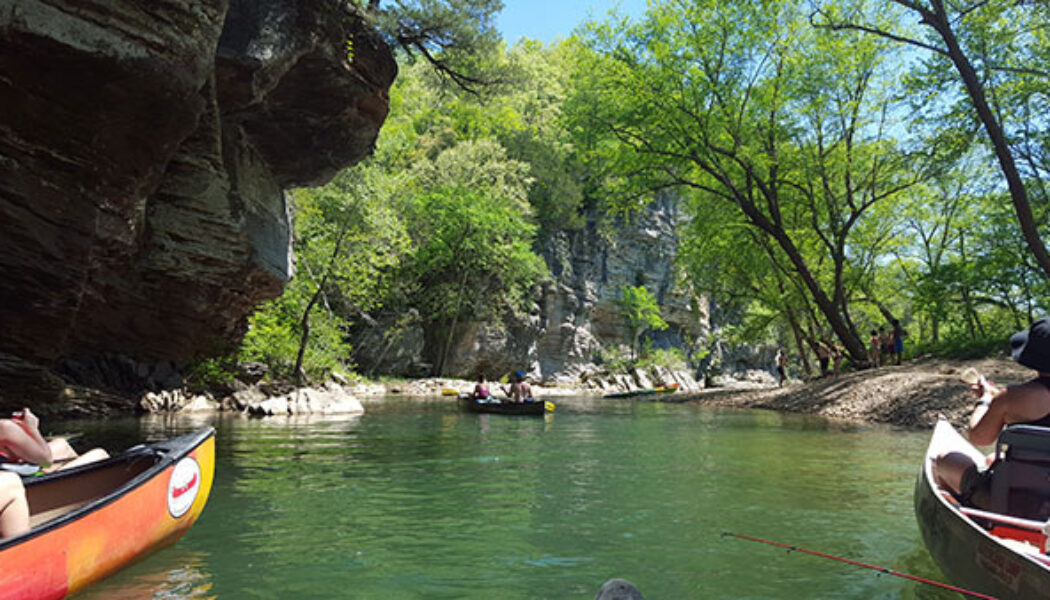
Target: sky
<point>546,20</point>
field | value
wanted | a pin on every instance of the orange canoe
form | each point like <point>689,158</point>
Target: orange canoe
<point>91,521</point>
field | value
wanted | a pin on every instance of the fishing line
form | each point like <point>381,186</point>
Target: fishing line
<point>860,564</point>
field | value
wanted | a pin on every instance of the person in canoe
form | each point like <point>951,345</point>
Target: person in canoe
<point>1023,404</point>
<point>481,389</point>
<point>21,443</point>
<point>14,510</point>
<point>519,389</point>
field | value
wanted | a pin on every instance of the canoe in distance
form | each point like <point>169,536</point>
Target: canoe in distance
<point>631,393</point>
<point>91,521</point>
<point>505,407</point>
<point>985,552</point>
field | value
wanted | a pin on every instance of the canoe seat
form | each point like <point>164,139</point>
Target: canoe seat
<point>1020,483</point>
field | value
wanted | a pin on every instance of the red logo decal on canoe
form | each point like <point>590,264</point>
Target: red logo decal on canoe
<point>175,493</point>
<point>183,486</point>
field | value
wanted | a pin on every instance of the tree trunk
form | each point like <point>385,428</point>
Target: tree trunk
<point>304,339</point>
<point>846,335</point>
<point>452,327</point>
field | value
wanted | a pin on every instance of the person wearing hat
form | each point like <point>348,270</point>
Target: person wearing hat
<point>1023,404</point>
<point>519,390</point>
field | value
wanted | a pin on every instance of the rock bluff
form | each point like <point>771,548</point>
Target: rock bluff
<point>145,150</point>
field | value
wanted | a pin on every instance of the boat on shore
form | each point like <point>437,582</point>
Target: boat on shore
<point>90,521</point>
<point>506,407</point>
<point>989,552</point>
<point>660,389</point>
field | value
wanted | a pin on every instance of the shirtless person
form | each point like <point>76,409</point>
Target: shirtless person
<point>1026,403</point>
<point>519,390</point>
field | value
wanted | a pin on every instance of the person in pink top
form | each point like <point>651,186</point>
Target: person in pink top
<point>481,389</point>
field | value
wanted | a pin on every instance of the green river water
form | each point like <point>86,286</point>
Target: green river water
<point>416,500</point>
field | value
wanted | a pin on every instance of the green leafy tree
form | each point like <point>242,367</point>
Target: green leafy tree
<point>997,56</point>
<point>347,240</point>
<point>470,222</point>
<point>745,104</point>
<point>454,37</point>
<point>641,312</point>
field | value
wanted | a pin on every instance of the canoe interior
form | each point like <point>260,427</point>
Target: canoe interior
<point>57,494</point>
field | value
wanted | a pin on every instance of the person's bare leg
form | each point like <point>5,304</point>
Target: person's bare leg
<point>61,450</point>
<point>14,510</point>
<point>949,469</point>
<point>95,454</point>
<point>18,443</point>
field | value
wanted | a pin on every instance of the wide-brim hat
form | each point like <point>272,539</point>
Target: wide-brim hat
<point>1031,347</point>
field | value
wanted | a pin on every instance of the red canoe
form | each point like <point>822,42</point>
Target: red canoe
<point>91,521</point>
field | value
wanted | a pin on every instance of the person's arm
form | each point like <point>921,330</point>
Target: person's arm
<point>22,437</point>
<point>989,413</point>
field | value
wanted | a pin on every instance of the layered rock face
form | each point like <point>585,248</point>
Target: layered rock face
<point>581,314</point>
<point>145,150</point>
<point>577,316</point>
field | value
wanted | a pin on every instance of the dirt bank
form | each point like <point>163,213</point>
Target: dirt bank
<point>912,394</point>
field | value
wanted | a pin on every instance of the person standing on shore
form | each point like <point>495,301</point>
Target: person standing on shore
<point>836,356</point>
<point>781,366</point>
<point>876,346</point>
<point>886,345</point>
<point>898,339</point>
<point>823,356</point>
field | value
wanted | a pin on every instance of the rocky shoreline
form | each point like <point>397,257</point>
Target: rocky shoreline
<point>913,394</point>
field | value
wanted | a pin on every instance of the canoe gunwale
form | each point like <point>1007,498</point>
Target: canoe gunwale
<point>165,453</point>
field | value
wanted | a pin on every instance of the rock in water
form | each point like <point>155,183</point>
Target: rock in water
<point>618,589</point>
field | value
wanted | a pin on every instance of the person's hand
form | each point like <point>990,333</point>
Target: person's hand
<point>31,420</point>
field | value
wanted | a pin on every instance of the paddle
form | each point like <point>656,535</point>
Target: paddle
<point>860,564</point>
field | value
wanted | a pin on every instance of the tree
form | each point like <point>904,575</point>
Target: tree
<point>453,36</point>
<point>347,240</point>
<point>470,222</point>
<point>990,45</point>
<point>640,312</point>
<point>739,103</point>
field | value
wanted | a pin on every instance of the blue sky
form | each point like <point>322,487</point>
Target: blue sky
<point>546,20</point>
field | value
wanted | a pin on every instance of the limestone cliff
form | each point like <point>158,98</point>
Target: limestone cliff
<point>145,150</point>
<point>576,315</point>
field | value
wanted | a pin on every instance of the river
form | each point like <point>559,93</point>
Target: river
<point>416,500</point>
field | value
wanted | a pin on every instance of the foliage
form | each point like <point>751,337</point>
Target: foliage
<point>640,311</point>
<point>348,239</point>
<point>454,37</point>
<point>211,373</point>
<point>832,180</point>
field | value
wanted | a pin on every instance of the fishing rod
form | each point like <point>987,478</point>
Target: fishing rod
<point>860,564</point>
